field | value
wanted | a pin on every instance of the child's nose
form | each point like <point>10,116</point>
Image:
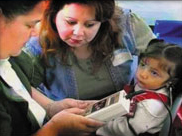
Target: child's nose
<point>144,74</point>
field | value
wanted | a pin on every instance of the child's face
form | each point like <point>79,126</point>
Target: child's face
<point>151,73</point>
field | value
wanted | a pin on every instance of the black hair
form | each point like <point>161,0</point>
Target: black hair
<point>10,9</point>
<point>158,49</point>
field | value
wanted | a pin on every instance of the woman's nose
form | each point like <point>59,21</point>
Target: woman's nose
<point>34,32</point>
<point>36,29</point>
<point>78,30</point>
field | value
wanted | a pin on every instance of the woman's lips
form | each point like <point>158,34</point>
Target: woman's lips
<point>75,41</point>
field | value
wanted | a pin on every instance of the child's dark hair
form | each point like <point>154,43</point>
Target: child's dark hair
<point>171,52</point>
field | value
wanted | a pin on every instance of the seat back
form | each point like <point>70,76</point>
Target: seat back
<point>169,30</point>
<point>176,105</point>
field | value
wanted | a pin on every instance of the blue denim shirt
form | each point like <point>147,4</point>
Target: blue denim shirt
<point>61,79</point>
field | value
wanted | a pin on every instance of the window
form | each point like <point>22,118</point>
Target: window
<point>154,10</point>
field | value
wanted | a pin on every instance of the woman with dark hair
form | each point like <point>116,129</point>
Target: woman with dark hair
<point>24,110</point>
<point>90,48</point>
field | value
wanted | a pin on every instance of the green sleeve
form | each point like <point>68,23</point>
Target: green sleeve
<point>142,32</point>
<point>31,67</point>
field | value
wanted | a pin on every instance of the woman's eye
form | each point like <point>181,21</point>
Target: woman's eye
<point>71,22</point>
<point>29,26</point>
<point>89,25</point>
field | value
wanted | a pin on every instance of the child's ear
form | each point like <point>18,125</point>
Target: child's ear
<point>174,81</point>
<point>171,83</point>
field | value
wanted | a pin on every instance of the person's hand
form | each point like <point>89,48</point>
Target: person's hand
<point>72,103</point>
<point>68,124</point>
<point>68,103</point>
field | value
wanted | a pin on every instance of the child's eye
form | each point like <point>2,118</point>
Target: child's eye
<point>154,73</point>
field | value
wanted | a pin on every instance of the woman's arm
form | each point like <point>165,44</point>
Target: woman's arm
<point>41,98</point>
<point>53,107</point>
<point>65,123</point>
<point>62,121</point>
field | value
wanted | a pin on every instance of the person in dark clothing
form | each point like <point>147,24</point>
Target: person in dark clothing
<point>23,109</point>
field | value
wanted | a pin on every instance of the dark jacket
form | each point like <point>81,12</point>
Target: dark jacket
<point>15,118</point>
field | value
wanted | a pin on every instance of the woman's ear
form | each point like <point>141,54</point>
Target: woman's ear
<point>1,12</point>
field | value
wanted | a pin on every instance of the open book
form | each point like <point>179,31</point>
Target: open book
<point>110,107</point>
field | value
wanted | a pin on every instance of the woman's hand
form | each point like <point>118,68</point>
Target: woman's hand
<point>69,124</point>
<point>72,103</point>
<point>57,106</point>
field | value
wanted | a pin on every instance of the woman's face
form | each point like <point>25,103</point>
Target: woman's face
<point>15,33</point>
<point>76,24</point>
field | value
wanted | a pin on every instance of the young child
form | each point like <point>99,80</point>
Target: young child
<point>159,75</point>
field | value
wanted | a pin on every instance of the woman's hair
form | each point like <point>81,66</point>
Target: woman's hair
<point>10,9</point>
<point>159,49</point>
<point>102,45</point>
